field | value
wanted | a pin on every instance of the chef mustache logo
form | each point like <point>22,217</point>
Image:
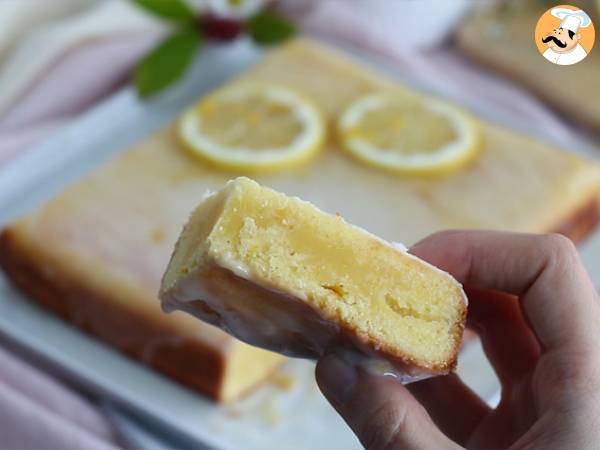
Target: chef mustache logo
<point>558,42</point>
<point>564,35</point>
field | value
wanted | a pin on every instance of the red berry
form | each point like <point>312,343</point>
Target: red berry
<point>221,28</point>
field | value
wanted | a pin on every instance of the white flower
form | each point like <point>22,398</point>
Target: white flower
<point>235,9</point>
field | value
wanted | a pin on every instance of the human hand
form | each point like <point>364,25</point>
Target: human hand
<point>538,317</point>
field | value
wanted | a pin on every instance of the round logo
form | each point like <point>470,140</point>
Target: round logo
<point>565,35</point>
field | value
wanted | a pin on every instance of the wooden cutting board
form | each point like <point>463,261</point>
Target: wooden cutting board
<point>96,253</point>
<point>504,42</point>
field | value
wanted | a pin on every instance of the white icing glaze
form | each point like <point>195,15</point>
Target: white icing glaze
<point>400,247</point>
<point>227,261</point>
<point>380,367</point>
<point>207,194</point>
<point>282,327</point>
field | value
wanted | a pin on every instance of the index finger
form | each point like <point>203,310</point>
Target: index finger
<point>544,271</point>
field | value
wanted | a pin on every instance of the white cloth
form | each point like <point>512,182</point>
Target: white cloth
<point>566,58</point>
<point>70,23</point>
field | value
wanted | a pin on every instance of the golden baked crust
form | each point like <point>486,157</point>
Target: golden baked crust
<point>580,222</point>
<point>99,249</point>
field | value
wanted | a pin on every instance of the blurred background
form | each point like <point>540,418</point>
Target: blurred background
<point>59,58</point>
<point>62,63</point>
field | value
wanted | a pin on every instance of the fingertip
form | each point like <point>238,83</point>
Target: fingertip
<point>425,244</point>
<point>336,378</point>
<point>444,250</point>
<point>378,408</point>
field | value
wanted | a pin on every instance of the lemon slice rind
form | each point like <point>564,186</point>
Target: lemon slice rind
<point>448,158</point>
<point>303,146</point>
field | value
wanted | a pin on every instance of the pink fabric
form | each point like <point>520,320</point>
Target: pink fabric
<point>76,82</point>
<point>37,412</point>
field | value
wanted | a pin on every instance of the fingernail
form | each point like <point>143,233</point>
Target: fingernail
<point>337,378</point>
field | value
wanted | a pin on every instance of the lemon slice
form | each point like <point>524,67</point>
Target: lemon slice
<point>409,134</point>
<point>253,128</point>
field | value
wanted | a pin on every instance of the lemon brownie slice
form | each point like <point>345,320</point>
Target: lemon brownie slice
<point>278,273</point>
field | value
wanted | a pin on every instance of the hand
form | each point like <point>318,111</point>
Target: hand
<point>538,317</point>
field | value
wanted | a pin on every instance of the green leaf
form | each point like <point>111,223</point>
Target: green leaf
<point>166,63</point>
<point>268,28</point>
<point>176,10</point>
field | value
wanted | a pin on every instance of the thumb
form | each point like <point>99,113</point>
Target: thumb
<point>379,409</point>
